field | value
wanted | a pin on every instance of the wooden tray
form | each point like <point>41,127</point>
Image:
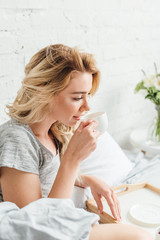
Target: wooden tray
<point>141,193</point>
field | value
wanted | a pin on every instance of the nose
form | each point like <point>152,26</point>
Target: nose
<point>85,106</point>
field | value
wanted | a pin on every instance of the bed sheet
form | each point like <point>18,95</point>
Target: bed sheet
<point>144,169</point>
<point>46,218</point>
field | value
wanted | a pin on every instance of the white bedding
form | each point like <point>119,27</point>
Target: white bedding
<point>46,218</point>
<point>143,170</point>
<point>107,162</point>
<point>58,219</point>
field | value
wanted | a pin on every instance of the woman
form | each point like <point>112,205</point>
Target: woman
<point>49,105</point>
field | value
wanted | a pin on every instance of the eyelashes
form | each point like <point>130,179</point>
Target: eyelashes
<point>79,98</point>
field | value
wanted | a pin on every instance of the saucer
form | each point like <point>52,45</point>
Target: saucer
<point>145,214</point>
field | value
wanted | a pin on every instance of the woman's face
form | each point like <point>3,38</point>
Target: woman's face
<point>72,103</point>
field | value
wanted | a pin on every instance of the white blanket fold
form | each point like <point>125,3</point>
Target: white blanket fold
<point>55,219</point>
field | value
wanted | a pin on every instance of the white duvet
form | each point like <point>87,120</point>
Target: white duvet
<point>55,219</point>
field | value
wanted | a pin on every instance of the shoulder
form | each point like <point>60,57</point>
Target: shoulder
<point>12,127</point>
<point>16,130</point>
<point>18,147</point>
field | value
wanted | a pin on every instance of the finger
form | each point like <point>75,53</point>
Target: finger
<point>99,202</point>
<point>81,126</point>
<point>115,202</point>
<point>119,210</point>
<point>111,204</point>
<point>96,133</point>
<point>92,124</point>
<point>117,205</point>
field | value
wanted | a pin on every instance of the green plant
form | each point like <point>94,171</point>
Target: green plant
<point>151,84</point>
<point>151,87</point>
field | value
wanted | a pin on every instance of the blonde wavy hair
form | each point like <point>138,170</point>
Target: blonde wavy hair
<point>46,75</point>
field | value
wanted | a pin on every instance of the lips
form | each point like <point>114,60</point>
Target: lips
<point>77,117</point>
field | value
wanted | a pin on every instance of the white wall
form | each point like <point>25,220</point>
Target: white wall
<point>124,35</point>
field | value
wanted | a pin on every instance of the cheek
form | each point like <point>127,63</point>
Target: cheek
<point>69,106</point>
<point>72,106</point>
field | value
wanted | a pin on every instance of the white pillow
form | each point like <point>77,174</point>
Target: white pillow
<point>107,162</point>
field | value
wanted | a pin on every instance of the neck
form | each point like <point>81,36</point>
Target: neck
<point>41,129</point>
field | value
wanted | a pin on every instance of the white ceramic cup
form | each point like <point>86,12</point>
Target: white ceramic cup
<point>101,118</point>
<point>157,233</point>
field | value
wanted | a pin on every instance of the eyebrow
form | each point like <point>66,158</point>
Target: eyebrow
<point>79,93</point>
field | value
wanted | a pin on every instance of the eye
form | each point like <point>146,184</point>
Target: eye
<point>78,99</point>
<point>88,96</point>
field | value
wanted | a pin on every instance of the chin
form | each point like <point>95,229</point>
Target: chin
<point>72,124</point>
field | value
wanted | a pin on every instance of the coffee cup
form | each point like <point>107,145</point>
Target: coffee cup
<point>157,233</point>
<point>101,118</point>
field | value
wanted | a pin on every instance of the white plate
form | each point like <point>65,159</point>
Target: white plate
<point>145,214</point>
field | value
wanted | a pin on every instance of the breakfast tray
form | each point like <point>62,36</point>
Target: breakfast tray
<point>128,195</point>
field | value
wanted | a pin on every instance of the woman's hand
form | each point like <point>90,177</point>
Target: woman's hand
<point>84,141</point>
<point>100,189</point>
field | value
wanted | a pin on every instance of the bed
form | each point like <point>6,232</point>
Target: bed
<point>121,167</point>
<point>108,161</point>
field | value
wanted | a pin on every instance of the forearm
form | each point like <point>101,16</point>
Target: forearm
<point>83,181</point>
<point>65,180</point>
